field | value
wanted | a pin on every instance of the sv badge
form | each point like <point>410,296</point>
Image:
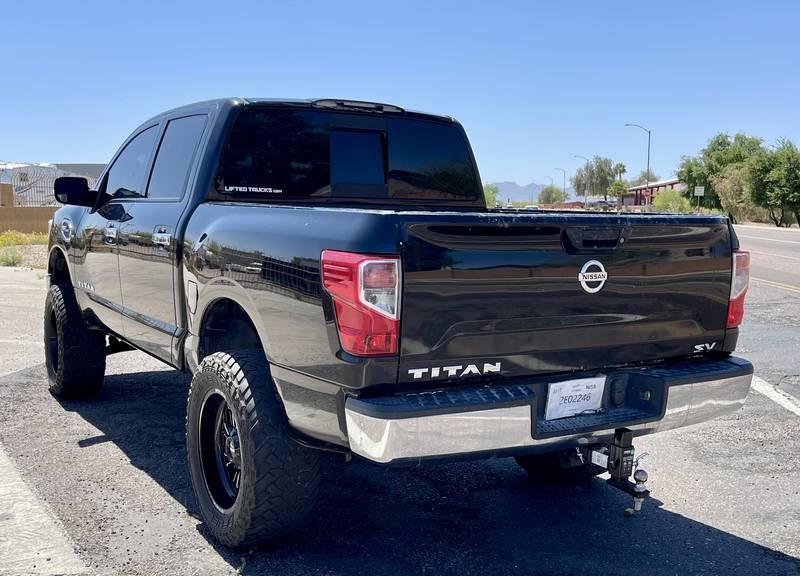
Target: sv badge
<point>704,347</point>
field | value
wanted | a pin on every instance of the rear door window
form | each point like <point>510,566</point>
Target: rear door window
<point>175,155</point>
<point>279,155</point>
<point>127,174</point>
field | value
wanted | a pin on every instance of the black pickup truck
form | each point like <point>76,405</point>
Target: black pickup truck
<point>330,275</point>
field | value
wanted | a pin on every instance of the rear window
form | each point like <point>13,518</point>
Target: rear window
<point>279,155</point>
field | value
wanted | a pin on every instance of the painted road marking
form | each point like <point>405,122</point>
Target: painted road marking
<point>773,254</point>
<point>29,533</point>
<point>776,285</point>
<point>769,239</point>
<point>767,228</point>
<point>38,343</point>
<point>780,397</point>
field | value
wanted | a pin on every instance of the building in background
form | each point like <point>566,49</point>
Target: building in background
<point>642,195</point>
<point>33,183</point>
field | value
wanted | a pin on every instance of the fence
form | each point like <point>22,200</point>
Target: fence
<point>32,184</point>
<point>22,218</point>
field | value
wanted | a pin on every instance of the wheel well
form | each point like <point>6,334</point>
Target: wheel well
<point>57,268</point>
<point>226,326</point>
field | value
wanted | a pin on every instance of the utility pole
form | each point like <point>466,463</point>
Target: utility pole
<point>647,175</point>
<point>564,185</point>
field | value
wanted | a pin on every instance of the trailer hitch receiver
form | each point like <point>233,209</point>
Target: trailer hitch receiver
<point>620,462</point>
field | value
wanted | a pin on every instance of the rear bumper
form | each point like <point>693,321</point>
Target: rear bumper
<point>491,420</point>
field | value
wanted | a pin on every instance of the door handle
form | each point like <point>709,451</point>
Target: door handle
<point>110,234</point>
<point>162,237</point>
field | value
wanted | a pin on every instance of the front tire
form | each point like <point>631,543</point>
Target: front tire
<point>75,355</point>
<point>253,483</point>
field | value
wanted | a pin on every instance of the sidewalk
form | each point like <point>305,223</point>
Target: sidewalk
<point>32,540</point>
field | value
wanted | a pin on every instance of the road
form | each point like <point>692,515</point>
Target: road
<point>770,336</point>
<point>111,476</point>
<point>775,255</point>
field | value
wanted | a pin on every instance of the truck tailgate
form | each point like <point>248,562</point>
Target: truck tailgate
<point>502,294</point>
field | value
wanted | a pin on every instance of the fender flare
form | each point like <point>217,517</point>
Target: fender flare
<point>221,288</point>
<point>63,254</point>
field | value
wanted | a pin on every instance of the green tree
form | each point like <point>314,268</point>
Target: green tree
<point>617,189</point>
<point>619,170</point>
<point>644,177</point>
<point>552,195</point>
<point>580,181</point>
<point>720,152</point>
<point>671,201</point>
<point>775,181</point>
<point>593,177</point>
<point>603,174</point>
<point>734,191</point>
<point>492,194</point>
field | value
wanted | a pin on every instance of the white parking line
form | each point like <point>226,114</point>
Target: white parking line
<point>780,397</point>
<point>31,539</point>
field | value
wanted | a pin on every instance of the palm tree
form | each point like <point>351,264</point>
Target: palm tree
<point>619,170</point>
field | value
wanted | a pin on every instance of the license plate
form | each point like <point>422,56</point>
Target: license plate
<point>571,397</point>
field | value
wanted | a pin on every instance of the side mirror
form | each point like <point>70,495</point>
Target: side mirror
<point>74,190</point>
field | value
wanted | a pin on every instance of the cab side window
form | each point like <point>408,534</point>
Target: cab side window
<point>175,156</point>
<point>126,176</point>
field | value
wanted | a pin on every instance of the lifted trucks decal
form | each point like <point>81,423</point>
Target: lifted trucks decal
<point>458,371</point>
<point>256,189</point>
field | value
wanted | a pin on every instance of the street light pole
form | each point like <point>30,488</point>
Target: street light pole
<point>647,175</point>
<point>564,185</point>
<point>586,176</point>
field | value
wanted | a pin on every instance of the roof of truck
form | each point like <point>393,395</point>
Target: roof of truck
<point>344,104</point>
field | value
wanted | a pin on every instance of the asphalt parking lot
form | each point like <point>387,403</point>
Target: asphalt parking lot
<point>108,477</point>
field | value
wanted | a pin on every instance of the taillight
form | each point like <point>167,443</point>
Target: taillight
<point>366,300</point>
<point>740,280</point>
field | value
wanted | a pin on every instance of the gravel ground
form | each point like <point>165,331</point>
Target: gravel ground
<point>33,255</point>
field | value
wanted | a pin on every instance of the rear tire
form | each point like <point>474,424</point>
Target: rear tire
<point>547,469</point>
<point>253,483</point>
<point>75,356</point>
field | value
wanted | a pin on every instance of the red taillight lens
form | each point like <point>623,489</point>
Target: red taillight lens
<point>740,280</point>
<point>366,299</point>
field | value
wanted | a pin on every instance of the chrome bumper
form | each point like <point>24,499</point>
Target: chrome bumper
<point>386,439</point>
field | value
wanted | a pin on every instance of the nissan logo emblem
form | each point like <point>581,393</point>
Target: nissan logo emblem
<point>592,276</point>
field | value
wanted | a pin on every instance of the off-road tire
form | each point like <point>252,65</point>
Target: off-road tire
<point>279,479</point>
<point>75,355</point>
<point>547,469</point>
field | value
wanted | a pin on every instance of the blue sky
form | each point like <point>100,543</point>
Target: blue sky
<point>534,83</point>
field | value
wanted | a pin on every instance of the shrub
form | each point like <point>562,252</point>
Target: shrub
<point>733,189</point>
<point>671,201</point>
<point>10,257</point>
<point>14,238</point>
